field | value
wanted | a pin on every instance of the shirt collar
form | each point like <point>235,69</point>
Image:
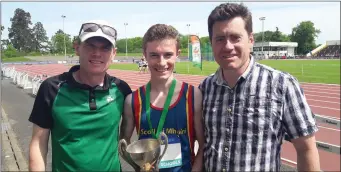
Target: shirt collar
<point>72,82</point>
<point>218,76</point>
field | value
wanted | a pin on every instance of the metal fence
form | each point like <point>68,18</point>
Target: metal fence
<point>206,51</point>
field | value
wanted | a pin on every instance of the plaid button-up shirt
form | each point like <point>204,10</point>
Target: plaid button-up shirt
<point>245,125</point>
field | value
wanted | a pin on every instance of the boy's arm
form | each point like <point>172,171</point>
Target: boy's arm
<point>199,130</point>
<point>128,123</point>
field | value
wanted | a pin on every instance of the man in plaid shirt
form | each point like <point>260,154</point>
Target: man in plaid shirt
<point>248,107</point>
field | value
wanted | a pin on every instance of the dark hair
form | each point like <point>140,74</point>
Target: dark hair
<point>228,11</point>
<point>159,32</point>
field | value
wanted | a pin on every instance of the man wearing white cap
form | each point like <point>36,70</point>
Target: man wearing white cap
<point>81,108</point>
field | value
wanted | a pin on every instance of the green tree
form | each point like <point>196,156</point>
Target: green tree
<point>276,36</point>
<point>121,45</point>
<point>272,36</point>
<point>184,43</point>
<point>57,42</point>
<point>75,41</point>
<point>304,34</point>
<point>40,41</point>
<point>205,40</point>
<point>135,45</point>
<point>267,36</point>
<point>20,32</point>
<point>51,48</point>
<point>285,38</point>
<point>4,43</point>
<point>10,51</point>
<point>2,28</point>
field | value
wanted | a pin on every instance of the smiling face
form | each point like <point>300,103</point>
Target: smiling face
<point>161,56</point>
<point>95,55</point>
<point>231,44</point>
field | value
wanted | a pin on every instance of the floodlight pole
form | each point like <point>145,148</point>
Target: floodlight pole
<point>262,19</point>
<point>64,38</point>
<point>188,25</point>
<point>125,30</point>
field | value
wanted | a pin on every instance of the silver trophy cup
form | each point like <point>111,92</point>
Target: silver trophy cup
<point>142,152</point>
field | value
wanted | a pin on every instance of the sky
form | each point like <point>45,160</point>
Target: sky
<point>141,15</point>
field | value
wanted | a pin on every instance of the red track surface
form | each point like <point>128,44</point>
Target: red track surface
<point>323,99</point>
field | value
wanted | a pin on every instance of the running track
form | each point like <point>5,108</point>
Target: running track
<point>323,99</point>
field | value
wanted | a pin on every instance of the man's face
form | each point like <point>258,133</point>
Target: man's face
<point>95,55</point>
<point>161,57</point>
<point>231,43</point>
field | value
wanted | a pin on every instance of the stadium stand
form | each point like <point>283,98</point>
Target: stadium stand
<point>330,51</point>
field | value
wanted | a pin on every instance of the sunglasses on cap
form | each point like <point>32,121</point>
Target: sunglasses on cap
<point>93,27</point>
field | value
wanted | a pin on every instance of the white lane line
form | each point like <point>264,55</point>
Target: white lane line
<point>287,160</point>
<point>313,95</point>
<point>324,107</point>
<point>315,100</point>
<point>326,116</point>
<point>318,90</point>
<point>321,92</point>
<point>328,128</point>
<point>322,84</point>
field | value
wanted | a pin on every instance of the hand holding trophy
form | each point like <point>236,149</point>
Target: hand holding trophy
<point>145,154</point>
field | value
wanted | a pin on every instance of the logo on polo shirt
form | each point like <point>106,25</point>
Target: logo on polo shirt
<point>109,99</point>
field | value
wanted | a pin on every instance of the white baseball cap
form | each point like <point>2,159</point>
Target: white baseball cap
<point>86,32</point>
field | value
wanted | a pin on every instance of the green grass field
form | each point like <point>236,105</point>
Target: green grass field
<point>15,59</point>
<point>136,55</point>
<point>313,71</point>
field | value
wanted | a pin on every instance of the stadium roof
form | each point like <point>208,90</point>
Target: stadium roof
<point>276,44</point>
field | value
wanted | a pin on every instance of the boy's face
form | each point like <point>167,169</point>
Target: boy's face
<point>161,57</point>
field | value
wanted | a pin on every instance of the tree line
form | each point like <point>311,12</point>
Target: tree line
<point>23,39</point>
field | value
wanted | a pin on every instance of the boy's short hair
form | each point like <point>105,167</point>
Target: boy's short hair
<point>159,32</point>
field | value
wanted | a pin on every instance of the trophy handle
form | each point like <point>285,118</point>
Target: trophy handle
<point>122,146</point>
<point>166,144</point>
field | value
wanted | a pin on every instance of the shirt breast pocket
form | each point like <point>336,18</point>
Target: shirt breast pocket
<point>259,116</point>
<point>212,107</point>
<point>212,115</point>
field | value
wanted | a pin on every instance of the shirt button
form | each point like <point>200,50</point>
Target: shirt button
<point>226,149</point>
<point>229,109</point>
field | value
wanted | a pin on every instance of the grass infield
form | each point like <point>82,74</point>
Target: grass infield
<point>312,71</point>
